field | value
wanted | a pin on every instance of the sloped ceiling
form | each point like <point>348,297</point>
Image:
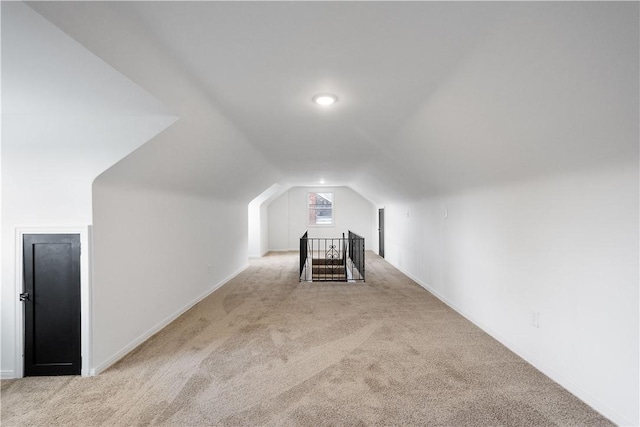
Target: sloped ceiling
<point>434,96</point>
<point>64,104</point>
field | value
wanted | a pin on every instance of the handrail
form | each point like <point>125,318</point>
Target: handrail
<point>303,252</point>
<point>344,257</point>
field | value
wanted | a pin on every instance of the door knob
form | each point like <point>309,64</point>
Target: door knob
<point>24,296</point>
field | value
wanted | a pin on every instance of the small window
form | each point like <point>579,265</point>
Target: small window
<point>320,208</point>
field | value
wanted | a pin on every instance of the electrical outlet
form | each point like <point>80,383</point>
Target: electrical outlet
<point>535,319</point>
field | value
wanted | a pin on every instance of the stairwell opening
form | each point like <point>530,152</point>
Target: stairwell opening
<point>339,259</point>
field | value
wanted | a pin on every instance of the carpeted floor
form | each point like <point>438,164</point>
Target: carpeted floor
<point>268,350</point>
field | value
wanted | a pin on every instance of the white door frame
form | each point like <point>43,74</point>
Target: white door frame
<point>85,292</point>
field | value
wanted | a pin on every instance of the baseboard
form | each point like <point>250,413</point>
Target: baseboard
<point>7,375</point>
<point>581,394</point>
<point>259,256</point>
<point>161,325</point>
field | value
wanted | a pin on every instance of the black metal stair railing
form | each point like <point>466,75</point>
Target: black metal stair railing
<point>356,254</point>
<point>332,259</point>
<point>303,251</point>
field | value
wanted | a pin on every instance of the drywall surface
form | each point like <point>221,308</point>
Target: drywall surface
<point>288,218</point>
<point>180,206</point>
<point>254,235</point>
<point>156,253</point>
<point>552,90</point>
<point>278,224</point>
<point>547,266</point>
<point>530,150</point>
<point>264,229</point>
<point>258,220</point>
<point>258,229</point>
<point>66,117</point>
<point>184,197</point>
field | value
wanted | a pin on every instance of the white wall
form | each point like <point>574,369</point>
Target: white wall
<point>531,144</point>
<point>156,254</point>
<point>564,246</point>
<point>186,192</point>
<point>258,220</point>
<point>264,229</point>
<point>254,235</point>
<point>278,224</point>
<point>288,217</point>
<point>66,117</point>
<point>258,229</point>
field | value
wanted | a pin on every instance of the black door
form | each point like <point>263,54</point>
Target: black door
<point>52,304</point>
<point>381,232</point>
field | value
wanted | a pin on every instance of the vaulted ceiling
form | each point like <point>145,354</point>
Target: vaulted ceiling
<point>433,96</point>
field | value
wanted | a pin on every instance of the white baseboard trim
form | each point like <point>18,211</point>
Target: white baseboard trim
<point>581,394</point>
<point>258,256</point>
<point>7,375</point>
<point>161,325</point>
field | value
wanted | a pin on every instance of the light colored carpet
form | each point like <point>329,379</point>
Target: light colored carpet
<point>267,350</point>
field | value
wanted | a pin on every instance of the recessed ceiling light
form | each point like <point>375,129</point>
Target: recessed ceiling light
<point>325,99</point>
